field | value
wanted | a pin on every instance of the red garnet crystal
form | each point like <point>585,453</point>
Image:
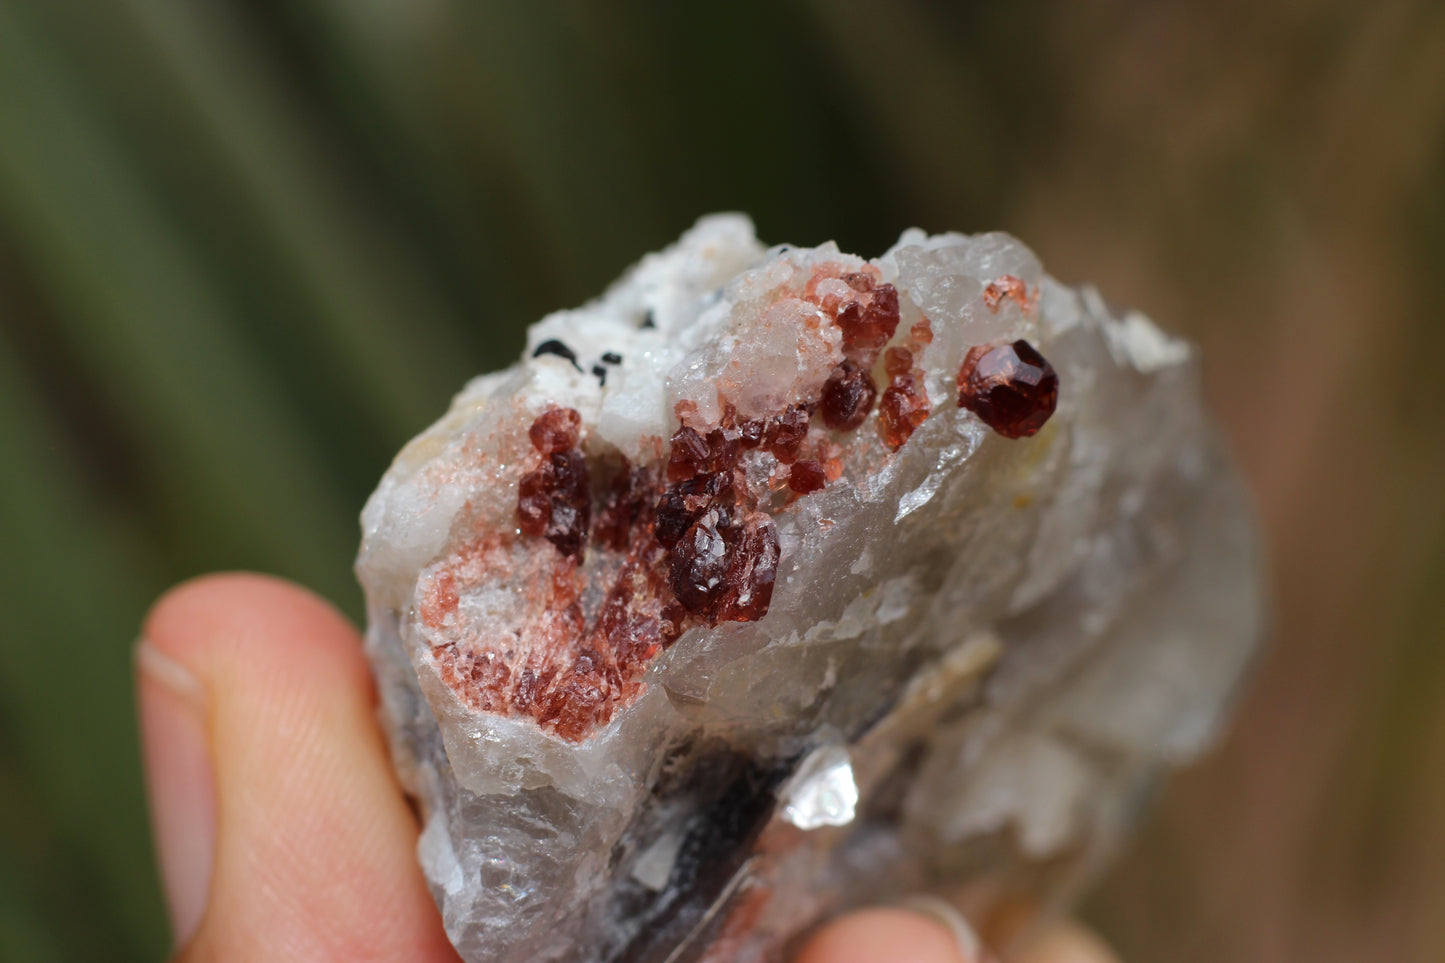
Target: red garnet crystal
<point>785,433</point>
<point>555,500</point>
<point>806,477</point>
<point>848,396</point>
<point>1010,386</point>
<point>867,329</point>
<point>723,569</point>
<point>556,430</point>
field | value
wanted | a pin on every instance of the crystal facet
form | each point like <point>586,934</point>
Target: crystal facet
<point>758,624</point>
<point>1010,386</point>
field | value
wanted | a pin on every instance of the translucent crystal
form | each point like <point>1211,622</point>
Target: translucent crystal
<point>724,610</point>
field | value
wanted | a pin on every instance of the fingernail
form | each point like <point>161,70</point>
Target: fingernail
<point>181,783</point>
<point>970,947</point>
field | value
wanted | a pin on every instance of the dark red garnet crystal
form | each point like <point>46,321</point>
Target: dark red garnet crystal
<point>555,500</point>
<point>848,396</point>
<point>556,430</point>
<point>806,477</point>
<point>724,567</point>
<point>1010,386</point>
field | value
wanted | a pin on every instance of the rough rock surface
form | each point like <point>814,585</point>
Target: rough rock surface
<point>776,581</point>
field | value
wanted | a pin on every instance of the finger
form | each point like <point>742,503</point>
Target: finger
<point>1063,941</point>
<point>181,782</point>
<point>889,936</point>
<point>259,690</point>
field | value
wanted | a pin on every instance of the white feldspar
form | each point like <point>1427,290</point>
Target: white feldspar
<point>978,656</point>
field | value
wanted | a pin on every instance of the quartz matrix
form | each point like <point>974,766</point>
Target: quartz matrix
<point>777,581</point>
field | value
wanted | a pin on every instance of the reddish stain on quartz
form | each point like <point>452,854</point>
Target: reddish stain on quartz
<point>634,622</point>
<point>1009,386</point>
<point>577,669</point>
<point>627,497</point>
<point>440,599</point>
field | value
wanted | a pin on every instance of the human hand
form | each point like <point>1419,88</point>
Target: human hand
<point>281,830</point>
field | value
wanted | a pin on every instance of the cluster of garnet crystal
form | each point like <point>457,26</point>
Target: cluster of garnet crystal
<point>868,321</point>
<point>555,500</point>
<point>723,551</point>
<point>690,541</point>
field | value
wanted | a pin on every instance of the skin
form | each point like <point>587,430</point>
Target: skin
<point>282,833</point>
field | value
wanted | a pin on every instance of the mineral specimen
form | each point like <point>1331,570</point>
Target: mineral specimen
<point>779,581</point>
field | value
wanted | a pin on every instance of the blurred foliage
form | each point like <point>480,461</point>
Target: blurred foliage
<point>247,249</point>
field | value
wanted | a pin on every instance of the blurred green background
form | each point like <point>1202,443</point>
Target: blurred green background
<point>248,249</point>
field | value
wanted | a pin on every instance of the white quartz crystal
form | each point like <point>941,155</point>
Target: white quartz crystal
<point>822,792</point>
<point>978,655</point>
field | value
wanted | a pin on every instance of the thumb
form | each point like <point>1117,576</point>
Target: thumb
<point>895,936</point>
<point>934,932</point>
<point>281,831</point>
